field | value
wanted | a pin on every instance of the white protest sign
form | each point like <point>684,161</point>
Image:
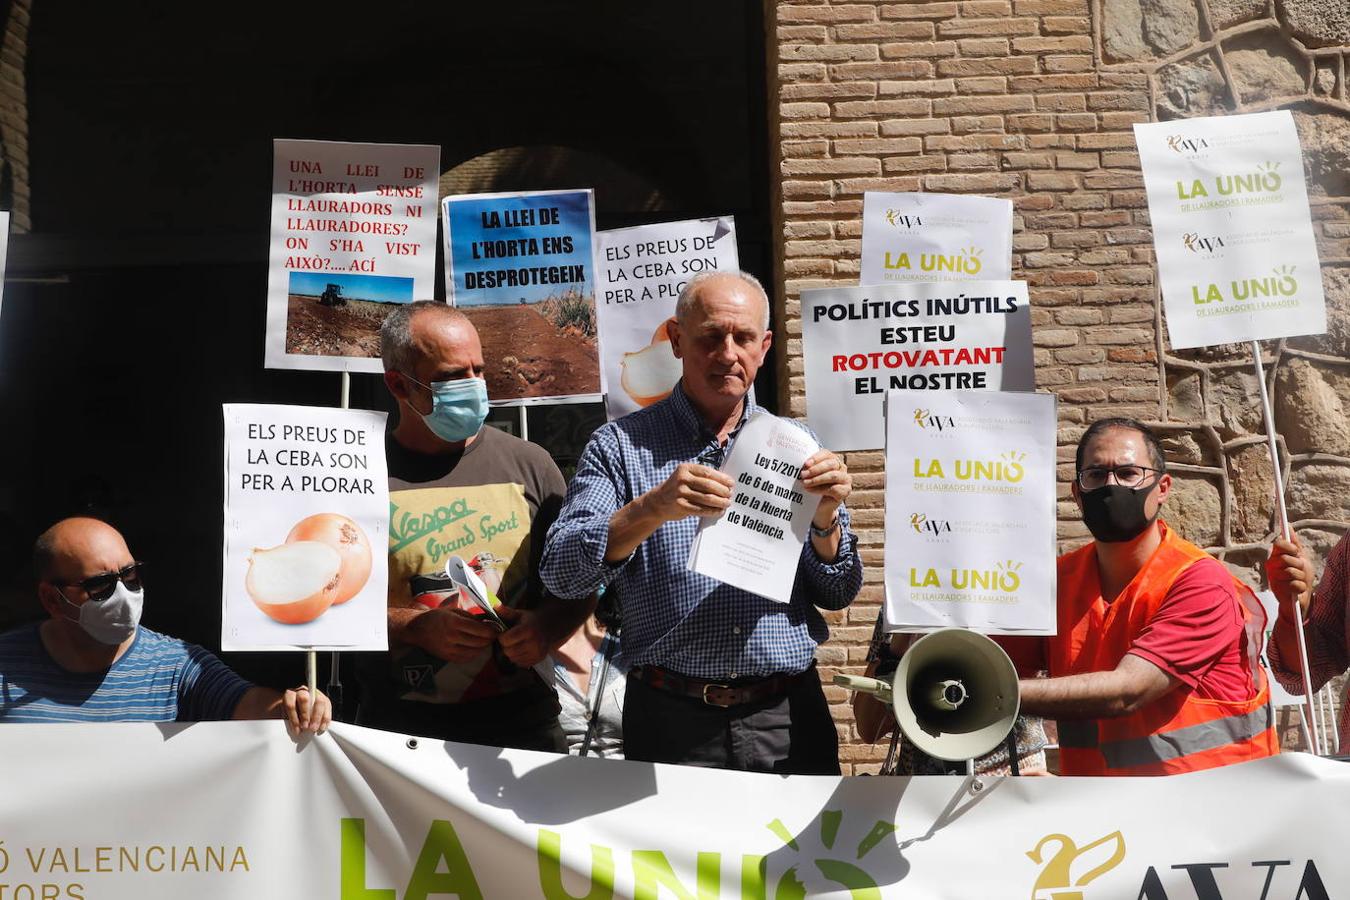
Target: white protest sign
<point>306,527</point>
<point>1237,260</point>
<point>353,236</point>
<point>641,272</point>
<point>1278,695</point>
<point>935,237</point>
<point>858,343</point>
<point>756,543</point>
<point>970,511</point>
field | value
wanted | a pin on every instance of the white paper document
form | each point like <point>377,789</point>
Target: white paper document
<point>756,543</point>
<point>1237,260</point>
<point>935,237</point>
<point>970,511</point>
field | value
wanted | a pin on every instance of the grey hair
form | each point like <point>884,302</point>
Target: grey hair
<point>686,298</point>
<point>396,340</point>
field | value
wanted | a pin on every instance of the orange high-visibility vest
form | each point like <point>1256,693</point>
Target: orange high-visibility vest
<point>1178,732</point>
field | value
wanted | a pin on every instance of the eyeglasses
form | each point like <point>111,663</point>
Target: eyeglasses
<point>1093,477</point>
<point>101,587</point>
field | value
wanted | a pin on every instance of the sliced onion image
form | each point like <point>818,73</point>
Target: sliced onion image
<point>294,583</point>
<point>650,373</point>
<point>347,538</point>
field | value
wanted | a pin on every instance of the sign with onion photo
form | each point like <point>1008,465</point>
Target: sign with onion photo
<point>306,527</point>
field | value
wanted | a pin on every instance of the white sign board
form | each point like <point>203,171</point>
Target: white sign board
<point>1236,256</point>
<point>970,511</point>
<point>642,271</point>
<point>1278,695</point>
<point>858,343</point>
<point>756,543</point>
<point>353,236</point>
<point>935,237</point>
<point>306,529</point>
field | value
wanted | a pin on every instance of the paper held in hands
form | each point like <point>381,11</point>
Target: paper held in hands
<point>756,543</point>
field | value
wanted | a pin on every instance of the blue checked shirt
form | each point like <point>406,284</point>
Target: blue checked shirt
<point>674,618</point>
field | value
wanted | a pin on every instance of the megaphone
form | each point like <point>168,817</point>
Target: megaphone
<point>954,694</point>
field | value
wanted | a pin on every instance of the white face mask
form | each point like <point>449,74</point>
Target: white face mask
<point>113,620</point>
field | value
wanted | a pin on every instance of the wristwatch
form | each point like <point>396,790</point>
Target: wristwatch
<point>825,532</point>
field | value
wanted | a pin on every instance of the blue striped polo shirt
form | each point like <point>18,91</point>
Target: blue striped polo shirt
<point>158,679</point>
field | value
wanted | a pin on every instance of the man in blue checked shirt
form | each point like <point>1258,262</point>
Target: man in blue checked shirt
<point>721,678</point>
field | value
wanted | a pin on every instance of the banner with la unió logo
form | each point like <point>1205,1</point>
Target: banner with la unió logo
<point>970,511</point>
<point>1237,260</point>
<point>860,342</point>
<point>358,814</point>
<point>935,237</point>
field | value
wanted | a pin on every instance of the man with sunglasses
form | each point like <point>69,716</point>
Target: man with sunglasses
<point>1154,664</point>
<point>459,489</point>
<point>91,661</point>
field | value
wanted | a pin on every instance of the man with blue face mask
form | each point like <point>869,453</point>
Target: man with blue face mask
<point>458,489</point>
<point>92,661</point>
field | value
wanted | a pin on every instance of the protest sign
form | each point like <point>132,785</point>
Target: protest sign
<point>353,236</point>
<point>970,511</point>
<point>306,528</point>
<point>1278,695</point>
<point>935,237</point>
<point>756,543</point>
<point>857,343</point>
<point>519,265</point>
<point>642,271</point>
<point>224,810</point>
<point>1231,227</point>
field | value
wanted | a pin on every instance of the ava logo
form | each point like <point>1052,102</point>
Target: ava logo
<point>924,525</point>
<point>897,219</point>
<point>926,420</point>
<point>1197,244</point>
<point>828,875</point>
<point>1069,868</point>
<point>1184,145</point>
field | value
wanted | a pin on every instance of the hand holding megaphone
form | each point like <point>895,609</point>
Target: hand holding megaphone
<point>954,694</point>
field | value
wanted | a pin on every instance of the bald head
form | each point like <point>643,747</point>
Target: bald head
<point>78,548</point>
<point>739,285</point>
<point>402,335</point>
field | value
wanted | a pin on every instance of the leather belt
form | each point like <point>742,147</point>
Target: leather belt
<point>716,693</point>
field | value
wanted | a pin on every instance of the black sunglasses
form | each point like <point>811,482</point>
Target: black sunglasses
<point>101,587</point>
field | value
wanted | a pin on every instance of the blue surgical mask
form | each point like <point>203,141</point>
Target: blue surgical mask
<point>458,408</point>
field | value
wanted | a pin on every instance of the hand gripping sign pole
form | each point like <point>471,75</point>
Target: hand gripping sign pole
<point>1309,711</point>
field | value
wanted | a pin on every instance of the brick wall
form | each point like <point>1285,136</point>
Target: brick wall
<point>1033,100</point>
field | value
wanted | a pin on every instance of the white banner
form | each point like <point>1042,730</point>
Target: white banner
<point>858,343</point>
<point>235,810</point>
<point>756,543</point>
<point>353,236</point>
<point>970,511</point>
<point>306,529</point>
<point>1237,260</point>
<point>642,271</point>
<point>935,237</point>
<point>1278,695</point>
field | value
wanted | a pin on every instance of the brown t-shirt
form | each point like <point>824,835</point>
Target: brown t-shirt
<point>491,505</point>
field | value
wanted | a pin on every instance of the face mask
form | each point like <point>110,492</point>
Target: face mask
<point>458,408</point>
<point>1115,514</point>
<point>113,620</point>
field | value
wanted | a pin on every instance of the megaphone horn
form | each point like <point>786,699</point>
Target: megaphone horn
<point>954,694</point>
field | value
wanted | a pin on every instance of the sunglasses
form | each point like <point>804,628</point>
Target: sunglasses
<point>101,587</point>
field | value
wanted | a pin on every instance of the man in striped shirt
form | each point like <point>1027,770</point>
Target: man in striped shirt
<point>90,661</point>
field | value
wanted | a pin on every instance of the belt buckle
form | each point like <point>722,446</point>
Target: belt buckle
<point>709,702</point>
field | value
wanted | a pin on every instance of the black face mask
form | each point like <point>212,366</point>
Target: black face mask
<point>1115,514</point>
